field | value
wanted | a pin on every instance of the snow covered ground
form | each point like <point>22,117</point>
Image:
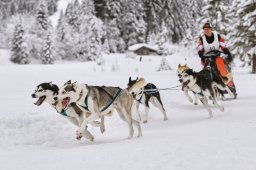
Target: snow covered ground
<point>38,138</point>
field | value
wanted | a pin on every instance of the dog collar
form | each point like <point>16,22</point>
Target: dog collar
<point>64,113</point>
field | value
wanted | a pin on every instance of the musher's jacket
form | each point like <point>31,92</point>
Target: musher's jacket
<point>214,42</point>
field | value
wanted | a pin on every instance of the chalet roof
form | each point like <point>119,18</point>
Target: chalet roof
<point>138,46</point>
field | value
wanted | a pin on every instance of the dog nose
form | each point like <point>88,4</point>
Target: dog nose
<point>180,80</point>
<point>33,95</point>
<point>55,98</point>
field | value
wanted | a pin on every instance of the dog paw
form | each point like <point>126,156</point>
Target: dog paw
<point>210,116</point>
<point>78,135</point>
<point>165,118</point>
<point>129,137</point>
<point>222,108</point>
<point>139,135</point>
<point>91,138</point>
<point>102,129</point>
<point>195,103</point>
<point>145,121</point>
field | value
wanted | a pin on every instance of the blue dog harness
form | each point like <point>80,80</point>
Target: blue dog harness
<point>118,92</point>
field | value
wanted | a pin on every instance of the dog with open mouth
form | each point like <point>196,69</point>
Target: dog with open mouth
<point>48,92</point>
<point>203,85</point>
<point>97,101</point>
<point>180,70</point>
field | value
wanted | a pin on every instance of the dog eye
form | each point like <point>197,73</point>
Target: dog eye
<point>63,92</point>
<point>40,90</point>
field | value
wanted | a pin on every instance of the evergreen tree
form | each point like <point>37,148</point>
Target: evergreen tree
<point>243,37</point>
<point>113,36</point>
<point>72,14</point>
<point>178,18</point>
<point>83,41</point>
<point>215,12</point>
<point>52,6</point>
<point>133,25</point>
<point>19,52</point>
<point>164,66</point>
<point>90,33</point>
<point>47,55</point>
<point>14,7</point>
<point>112,20</point>
<point>152,17</point>
<point>42,15</point>
<point>65,38</point>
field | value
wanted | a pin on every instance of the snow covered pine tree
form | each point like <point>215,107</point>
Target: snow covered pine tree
<point>19,52</point>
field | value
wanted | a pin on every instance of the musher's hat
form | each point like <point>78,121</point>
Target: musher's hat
<point>207,25</point>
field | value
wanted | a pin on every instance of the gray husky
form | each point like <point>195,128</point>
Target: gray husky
<point>47,92</point>
<point>96,101</point>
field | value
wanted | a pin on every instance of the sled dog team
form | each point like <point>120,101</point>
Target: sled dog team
<point>85,105</point>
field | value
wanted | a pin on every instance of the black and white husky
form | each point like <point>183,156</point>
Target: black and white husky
<point>203,85</point>
<point>147,94</point>
<point>48,92</point>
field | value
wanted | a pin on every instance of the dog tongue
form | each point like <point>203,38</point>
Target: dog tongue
<point>39,101</point>
<point>64,103</point>
<point>184,85</point>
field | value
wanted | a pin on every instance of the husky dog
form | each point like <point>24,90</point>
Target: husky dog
<point>202,84</point>
<point>210,64</point>
<point>96,101</point>
<point>142,96</point>
<point>47,92</point>
<point>180,70</point>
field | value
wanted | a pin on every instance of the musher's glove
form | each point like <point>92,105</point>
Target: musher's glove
<point>229,58</point>
<point>202,57</point>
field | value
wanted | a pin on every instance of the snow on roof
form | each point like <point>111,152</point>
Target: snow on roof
<point>138,46</point>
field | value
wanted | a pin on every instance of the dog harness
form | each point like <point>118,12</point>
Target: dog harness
<point>201,92</point>
<point>139,100</point>
<point>64,113</point>
<point>118,92</point>
<point>151,89</point>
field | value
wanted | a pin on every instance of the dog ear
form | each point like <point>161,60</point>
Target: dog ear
<point>68,82</point>
<point>130,79</point>
<point>190,71</point>
<point>55,89</point>
<point>137,78</point>
<point>179,65</point>
<point>74,86</point>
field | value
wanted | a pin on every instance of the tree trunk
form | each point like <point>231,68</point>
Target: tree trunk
<point>254,64</point>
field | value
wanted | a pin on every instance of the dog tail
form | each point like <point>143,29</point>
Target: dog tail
<point>138,85</point>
